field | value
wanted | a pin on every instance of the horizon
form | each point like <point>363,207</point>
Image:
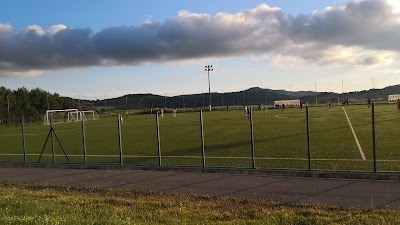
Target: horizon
<point>212,92</point>
<point>124,47</point>
<point>232,92</point>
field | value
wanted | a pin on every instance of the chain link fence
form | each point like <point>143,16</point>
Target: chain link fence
<point>331,137</point>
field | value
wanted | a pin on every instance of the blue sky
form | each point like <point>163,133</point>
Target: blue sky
<point>106,49</point>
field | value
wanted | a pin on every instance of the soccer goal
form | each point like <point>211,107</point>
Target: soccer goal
<point>61,116</point>
<point>324,100</point>
<point>89,115</point>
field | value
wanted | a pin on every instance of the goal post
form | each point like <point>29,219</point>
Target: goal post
<point>88,115</point>
<point>61,116</point>
<point>332,100</point>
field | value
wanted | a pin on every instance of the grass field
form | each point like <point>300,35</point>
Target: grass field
<point>280,139</point>
<point>45,204</point>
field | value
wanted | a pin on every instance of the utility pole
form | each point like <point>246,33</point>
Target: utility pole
<point>48,104</point>
<point>222,97</point>
<point>126,101</point>
<point>208,69</point>
<point>183,96</point>
<point>342,92</point>
<point>244,103</point>
<point>316,95</point>
<point>342,87</point>
<point>203,98</point>
<point>8,108</point>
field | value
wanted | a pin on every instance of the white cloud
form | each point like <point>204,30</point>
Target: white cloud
<point>389,71</point>
<point>36,29</point>
<point>395,5</point>
<point>6,28</point>
<point>56,28</point>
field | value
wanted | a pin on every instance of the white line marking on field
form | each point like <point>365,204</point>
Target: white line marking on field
<point>280,117</point>
<point>355,136</point>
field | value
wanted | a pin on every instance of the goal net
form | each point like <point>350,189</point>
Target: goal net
<point>322,101</point>
<point>61,116</point>
<point>89,115</point>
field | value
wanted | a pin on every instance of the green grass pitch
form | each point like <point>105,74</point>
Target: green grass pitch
<point>280,139</point>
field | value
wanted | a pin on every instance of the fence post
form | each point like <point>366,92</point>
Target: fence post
<point>84,141</point>
<point>308,138</point>
<point>203,154</point>
<point>23,136</point>
<point>158,140</point>
<point>253,159</point>
<point>120,140</point>
<point>52,139</point>
<point>373,137</point>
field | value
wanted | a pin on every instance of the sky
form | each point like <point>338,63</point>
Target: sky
<point>102,49</point>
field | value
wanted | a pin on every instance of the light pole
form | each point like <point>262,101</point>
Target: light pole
<point>208,69</point>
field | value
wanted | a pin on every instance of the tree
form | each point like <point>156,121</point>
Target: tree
<point>30,103</point>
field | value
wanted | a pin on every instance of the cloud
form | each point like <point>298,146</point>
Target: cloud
<point>359,33</point>
<point>25,73</point>
<point>371,24</point>
<point>6,28</point>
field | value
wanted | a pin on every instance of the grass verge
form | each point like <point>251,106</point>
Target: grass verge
<point>49,204</point>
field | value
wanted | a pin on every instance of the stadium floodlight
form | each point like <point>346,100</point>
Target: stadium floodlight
<point>208,69</point>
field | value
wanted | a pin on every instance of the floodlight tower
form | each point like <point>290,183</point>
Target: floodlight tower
<point>208,69</point>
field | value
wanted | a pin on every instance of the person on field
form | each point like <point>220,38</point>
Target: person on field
<point>160,113</point>
<point>301,106</point>
<point>265,108</point>
<point>248,112</point>
<point>398,104</point>
<point>369,102</point>
<point>121,119</point>
<point>245,111</point>
<point>283,107</point>
<point>174,112</point>
<point>328,105</point>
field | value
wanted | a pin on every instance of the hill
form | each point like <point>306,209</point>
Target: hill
<point>251,96</point>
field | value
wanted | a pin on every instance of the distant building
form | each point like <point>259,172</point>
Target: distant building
<point>288,103</point>
<point>393,98</point>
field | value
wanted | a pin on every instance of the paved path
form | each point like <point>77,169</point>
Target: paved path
<point>333,191</point>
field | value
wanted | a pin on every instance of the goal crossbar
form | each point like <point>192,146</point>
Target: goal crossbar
<point>71,114</point>
<point>88,114</point>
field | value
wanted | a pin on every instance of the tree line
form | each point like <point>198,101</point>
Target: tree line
<point>32,104</point>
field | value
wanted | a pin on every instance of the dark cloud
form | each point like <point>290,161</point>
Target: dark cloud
<point>369,24</point>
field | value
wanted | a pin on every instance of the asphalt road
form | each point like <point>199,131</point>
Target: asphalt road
<point>286,189</point>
